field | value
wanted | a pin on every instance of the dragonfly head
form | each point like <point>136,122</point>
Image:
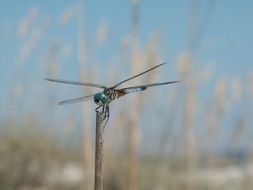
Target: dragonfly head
<point>101,99</point>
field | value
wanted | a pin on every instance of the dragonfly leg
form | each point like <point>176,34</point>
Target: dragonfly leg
<point>107,115</point>
<point>108,111</point>
<point>104,112</point>
<point>97,109</point>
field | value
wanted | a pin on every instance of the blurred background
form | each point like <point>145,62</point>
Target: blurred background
<point>196,134</point>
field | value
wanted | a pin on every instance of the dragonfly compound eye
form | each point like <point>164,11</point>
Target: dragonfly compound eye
<point>96,99</point>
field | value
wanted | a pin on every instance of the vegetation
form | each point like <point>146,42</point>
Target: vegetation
<point>177,140</point>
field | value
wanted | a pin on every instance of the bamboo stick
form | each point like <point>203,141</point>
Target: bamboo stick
<point>98,183</point>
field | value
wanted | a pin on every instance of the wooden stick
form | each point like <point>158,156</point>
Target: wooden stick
<point>98,185</point>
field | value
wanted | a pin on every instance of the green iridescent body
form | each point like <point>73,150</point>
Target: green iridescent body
<point>102,99</point>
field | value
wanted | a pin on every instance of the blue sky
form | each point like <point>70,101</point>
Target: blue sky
<point>226,45</point>
<point>227,40</point>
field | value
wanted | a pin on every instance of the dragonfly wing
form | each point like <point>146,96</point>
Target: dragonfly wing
<point>76,100</point>
<point>137,75</point>
<point>77,83</point>
<point>132,89</point>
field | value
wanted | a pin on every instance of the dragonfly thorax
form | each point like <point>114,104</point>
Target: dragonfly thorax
<point>101,99</point>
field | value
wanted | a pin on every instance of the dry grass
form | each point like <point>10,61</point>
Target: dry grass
<point>179,145</point>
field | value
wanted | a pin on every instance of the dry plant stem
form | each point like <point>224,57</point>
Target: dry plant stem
<point>98,185</point>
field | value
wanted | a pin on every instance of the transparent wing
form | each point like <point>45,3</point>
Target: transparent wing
<point>137,75</point>
<point>76,100</point>
<point>132,89</point>
<point>77,83</point>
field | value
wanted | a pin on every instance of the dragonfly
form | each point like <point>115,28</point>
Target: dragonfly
<point>109,94</point>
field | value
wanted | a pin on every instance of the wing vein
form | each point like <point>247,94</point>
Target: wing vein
<point>144,87</point>
<point>137,75</point>
<point>76,83</point>
<point>76,100</point>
